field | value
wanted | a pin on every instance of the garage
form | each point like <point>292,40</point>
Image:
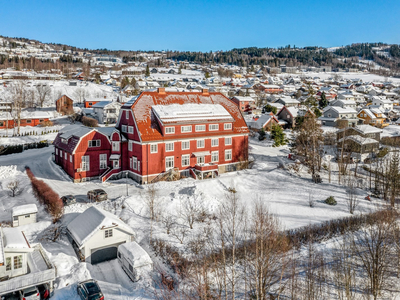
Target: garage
<point>100,255</point>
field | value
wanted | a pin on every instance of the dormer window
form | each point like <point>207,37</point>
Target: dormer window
<point>169,130</point>
<point>64,141</point>
<point>186,128</point>
<point>227,126</point>
<point>108,233</point>
<point>213,127</point>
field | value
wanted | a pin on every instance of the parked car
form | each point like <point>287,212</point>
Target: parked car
<point>97,195</point>
<point>44,290</point>
<point>68,199</point>
<point>31,293</point>
<point>89,290</point>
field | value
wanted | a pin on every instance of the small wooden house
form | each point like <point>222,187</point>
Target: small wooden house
<point>24,214</point>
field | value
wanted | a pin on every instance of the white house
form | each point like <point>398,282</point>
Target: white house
<point>134,260</point>
<point>22,265</point>
<point>96,234</point>
<point>383,102</point>
<point>107,112</point>
<point>24,214</point>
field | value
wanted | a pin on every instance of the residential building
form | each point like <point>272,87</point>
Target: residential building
<point>107,112</point>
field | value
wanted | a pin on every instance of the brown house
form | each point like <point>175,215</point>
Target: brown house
<point>64,105</point>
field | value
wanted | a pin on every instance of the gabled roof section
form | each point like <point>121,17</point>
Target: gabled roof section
<point>84,226</point>
<point>146,119</point>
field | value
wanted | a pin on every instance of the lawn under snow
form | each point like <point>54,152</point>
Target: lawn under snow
<point>286,196</point>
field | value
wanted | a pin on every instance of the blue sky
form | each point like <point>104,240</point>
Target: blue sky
<point>201,25</point>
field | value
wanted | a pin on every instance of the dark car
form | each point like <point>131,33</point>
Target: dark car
<point>44,290</point>
<point>89,290</point>
<point>97,195</point>
<point>68,199</point>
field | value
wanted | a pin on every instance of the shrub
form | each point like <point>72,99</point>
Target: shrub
<point>261,134</point>
<point>89,122</point>
<point>46,123</point>
<point>330,200</point>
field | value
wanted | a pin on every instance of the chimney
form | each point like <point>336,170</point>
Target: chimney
<point>205,92</point>
<point>105,97</point>
<point>161,90</point>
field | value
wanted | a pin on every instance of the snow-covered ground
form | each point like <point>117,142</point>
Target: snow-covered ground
<point>286,195</point>
<point>366,77</point>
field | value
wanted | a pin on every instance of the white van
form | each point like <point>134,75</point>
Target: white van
<point>134,260</point>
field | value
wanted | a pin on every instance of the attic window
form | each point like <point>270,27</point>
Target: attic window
<point>94,143</point>
<point>108,233</point>
<point>64,141</point>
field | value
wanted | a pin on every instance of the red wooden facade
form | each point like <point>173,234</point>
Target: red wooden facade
<point>146,149</point>
<point>64,104</point>
<point>11,123</point>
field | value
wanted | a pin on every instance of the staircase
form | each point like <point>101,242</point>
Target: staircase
<point>108,173</point>
<point>170,175</point>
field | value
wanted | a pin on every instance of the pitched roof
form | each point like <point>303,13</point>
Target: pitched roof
<point>146,120</point>
<point>84,226</point>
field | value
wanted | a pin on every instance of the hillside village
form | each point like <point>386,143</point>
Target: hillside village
<point>159,162</point>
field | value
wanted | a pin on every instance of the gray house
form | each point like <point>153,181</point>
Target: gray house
<point>332,114</point>
<point>96,234</point>
<point>107,112</point>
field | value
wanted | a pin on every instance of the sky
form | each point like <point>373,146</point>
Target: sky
<point>201,25</point>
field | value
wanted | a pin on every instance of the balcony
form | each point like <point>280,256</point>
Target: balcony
<point>206,167</point>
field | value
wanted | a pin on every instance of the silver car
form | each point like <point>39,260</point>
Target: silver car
<point>31,293</point>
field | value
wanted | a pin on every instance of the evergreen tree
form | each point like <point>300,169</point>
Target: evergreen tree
<point>261,134</point>
<point>278,136</point>
<point>323,102</point>
<point>147,71</point>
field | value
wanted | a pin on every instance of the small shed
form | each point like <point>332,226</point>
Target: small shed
<point>24,214</point>
<point>134,260</point>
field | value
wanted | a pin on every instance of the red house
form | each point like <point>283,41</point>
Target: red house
<point>198,134</point>
<point>245,104</point>
<point>26,119</point>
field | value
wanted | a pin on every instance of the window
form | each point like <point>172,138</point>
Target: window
<point>94,143</point>
<point>169,130</point>
<point>124,128</point>
<point>227,126</point>
<point>134,163</point>
<point>103,161</point>
<point>130,268</point>
<point>200,127</point>
<point>65,156</point>
<point>169,162</point>
<point>186,129</point>
<point>18,262</point>
<point>85,165</point>
<point>70,158</point>
<point>169,147</point>
<point>185,160</point>
<point>8,264</point>
<point>28,121</point>
<point>15,218</point>
<point>153,148</point>
<point>61,153</point>
<point>200,160</point>
<point>185,145</point>
<point>138,165</point>
<point>213,127</point>
<point>130,129</point>
<point>64,141</point>
<point>108,233</point>
<point>214,142</point>
<point>228,154</point>
<point>130,143</point>
<point>200,143</point>
<point>27,216</point>
<point>214,156</point>
<point>115,146</point>
<point>127,114</point>
<point>56,151</point>
<point>228,141</point>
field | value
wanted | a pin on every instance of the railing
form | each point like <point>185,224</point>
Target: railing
<point>206,167</point>
<point>108,174</point>
<point>193,174</point>
<point>23,281</point>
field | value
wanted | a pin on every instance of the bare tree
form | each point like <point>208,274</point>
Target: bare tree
<point>351,193</point>
<point>13,186</point>
<point>191,208</point>
<point>80,94</point>
<point>43,92</point>
<point>168,222</point>
<point>180,232</point>
<point>18,94</point>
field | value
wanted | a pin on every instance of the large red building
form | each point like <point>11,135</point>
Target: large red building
<point>198,134</point>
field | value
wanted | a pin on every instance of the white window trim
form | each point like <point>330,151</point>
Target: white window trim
<point>124,128</point>
<point>97,143</point>
<point>156,145</point>
<point>228,143</point>
<point>212,157</point>
<point>115,148</point>
<point>212,142</point>
<point>183,143</point>
<point>212,129</point>
<point>186,126</point>
<point>170,150</point>
<point>130,145</point>
<point>204,143</point>
<point>108,233</point>
<point>130,129</point>
<point>229,151</point>
<point>186,156</point>
<point>134,163</point>
<point>228,126</point>
<point>168,158</point>
<point>172,132</point>
<point>198,130</point>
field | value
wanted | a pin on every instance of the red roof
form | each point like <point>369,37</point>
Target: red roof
<point>147,123</point>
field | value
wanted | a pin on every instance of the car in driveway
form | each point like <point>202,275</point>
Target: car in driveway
<point>68,200</point>
<point>44,290</point>
<point>89,290</point>
<point>97,195</point>
<point>31,293</point>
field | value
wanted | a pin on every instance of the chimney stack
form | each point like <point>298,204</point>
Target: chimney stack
<point>161,90</point>
<point>205,92</point>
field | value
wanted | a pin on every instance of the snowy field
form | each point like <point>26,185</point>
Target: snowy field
<point>366,77</point>
<point>286,196</point>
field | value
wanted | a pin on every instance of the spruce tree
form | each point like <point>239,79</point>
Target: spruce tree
<point>278,136</point>
<point>323,102</point>
<point>147,71</point>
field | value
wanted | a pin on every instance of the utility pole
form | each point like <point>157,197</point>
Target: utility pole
<point>126,180</point>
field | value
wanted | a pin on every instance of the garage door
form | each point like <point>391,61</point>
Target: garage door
<point>104,254</point>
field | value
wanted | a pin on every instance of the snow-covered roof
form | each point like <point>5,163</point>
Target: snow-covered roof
<point>14,238</point>
<point>84,226</point>
<point>24,210</point>
<point>244,99</point>
<point>365,129</point>
<point>101,104</point>
<point>343,110</point>
<point>190,112</point>
<point>135,254</point>
<point>360,140</point>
